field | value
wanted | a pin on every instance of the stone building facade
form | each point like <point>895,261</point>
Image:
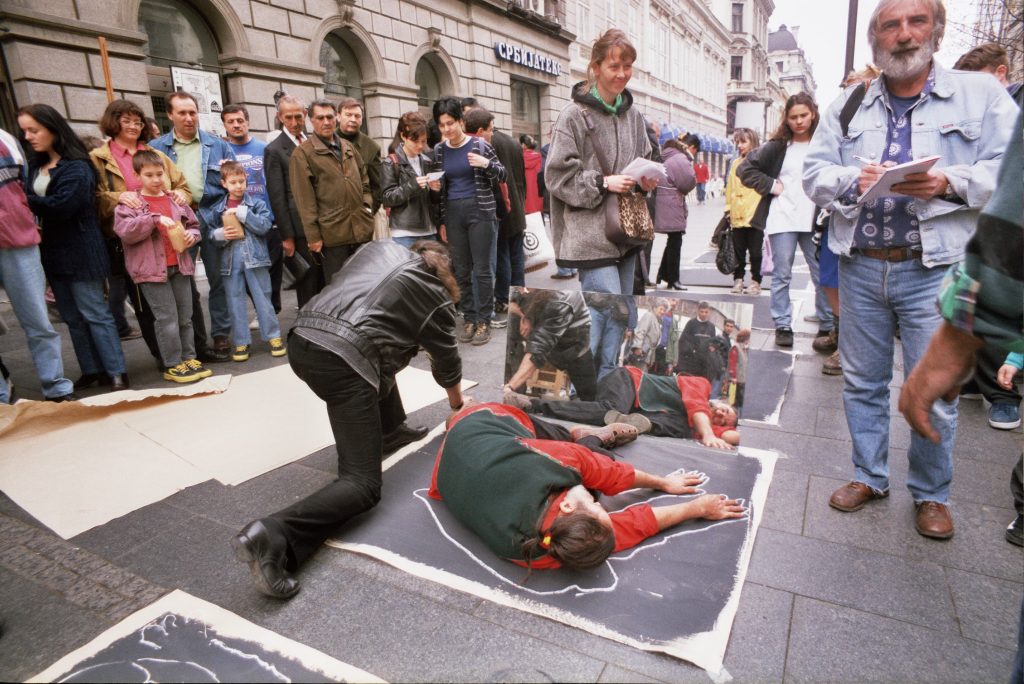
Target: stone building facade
<point>519,59</point>
<point>395,55</point>
<point>748,94</point>
<point>789,65</point>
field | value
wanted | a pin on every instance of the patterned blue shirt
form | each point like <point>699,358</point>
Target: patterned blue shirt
<point>892,221</point>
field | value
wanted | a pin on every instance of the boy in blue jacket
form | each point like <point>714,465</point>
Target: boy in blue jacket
<point>240,224</point>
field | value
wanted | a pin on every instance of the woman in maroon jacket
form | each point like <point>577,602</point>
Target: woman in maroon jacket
<point>671,213</point>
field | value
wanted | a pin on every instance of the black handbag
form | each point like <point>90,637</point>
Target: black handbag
<point>297,266</point>
<point>726,260</point>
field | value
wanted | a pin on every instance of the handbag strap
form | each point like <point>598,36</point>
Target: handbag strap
<point>606,168</point>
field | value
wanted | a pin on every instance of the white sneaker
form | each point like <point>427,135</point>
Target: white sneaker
<point>254,324</point>
<point>737,287</point>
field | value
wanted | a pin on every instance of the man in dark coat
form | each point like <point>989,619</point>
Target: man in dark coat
<point>291,112</point>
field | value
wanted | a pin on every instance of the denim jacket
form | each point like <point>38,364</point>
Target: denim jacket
<point>215,151</point>
<point>967,119</point>
<point>256,221</point>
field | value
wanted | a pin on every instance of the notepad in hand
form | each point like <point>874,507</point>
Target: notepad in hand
<point>894,175</point>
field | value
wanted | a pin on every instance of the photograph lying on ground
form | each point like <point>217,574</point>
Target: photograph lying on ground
<point>502,506</point>
<point>671,366</point>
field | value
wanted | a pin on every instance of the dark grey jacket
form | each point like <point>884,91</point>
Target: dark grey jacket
<point>378,310</point>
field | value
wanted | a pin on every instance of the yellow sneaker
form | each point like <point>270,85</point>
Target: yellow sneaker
<point>277,347</point>
<point>197,367</point>
<point>240,353</point>
<point>180,373</point>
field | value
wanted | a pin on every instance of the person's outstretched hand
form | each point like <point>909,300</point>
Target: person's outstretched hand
<point>720,507</point>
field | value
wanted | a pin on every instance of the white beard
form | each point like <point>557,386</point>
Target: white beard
<point>905,66</point>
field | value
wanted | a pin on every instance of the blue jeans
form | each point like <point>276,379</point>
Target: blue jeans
<point>511,267</point>
<point>259,286</point>
<point>91,325</point>
<point>408,241</point>
<point>220,314</point>
<point>21,275</point>
<point>605,331</point>
<point>876,295</point>
<point>783,251</point>
<point>473,240</point>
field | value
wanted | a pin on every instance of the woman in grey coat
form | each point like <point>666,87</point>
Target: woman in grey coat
<point>601,113</point>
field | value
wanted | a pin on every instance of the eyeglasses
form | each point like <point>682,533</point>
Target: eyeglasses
<point>130,123</point>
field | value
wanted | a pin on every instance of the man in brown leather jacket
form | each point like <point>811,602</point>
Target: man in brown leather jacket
<point>348,344</point>
<point>331,190</point>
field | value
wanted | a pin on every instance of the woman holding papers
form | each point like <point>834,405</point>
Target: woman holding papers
<point>406,185</point>
<point>600,122</point>
<point>600,115</point>
<point>775,170</point>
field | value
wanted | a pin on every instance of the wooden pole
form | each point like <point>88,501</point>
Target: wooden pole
<point>105,60</point>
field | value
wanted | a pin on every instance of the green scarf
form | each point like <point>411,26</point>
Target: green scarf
<point>611,108</point>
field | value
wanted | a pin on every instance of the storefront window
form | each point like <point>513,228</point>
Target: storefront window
<point>177,36</point>
<point>342,76</point>
<point>525,109</point>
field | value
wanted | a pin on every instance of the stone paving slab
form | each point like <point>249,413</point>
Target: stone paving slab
<point>830,643</point>
<point>988,608</point>
<point>887,527</point>
<point>911,591</point>
<point>787,501</point>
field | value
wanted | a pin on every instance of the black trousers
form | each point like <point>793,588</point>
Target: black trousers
<point>581,371</point>
<point>313,281</point>
<point>615,392</point>
<point>669,268</point>
<point>748,240</point>
<point>1017,485</point>
<point>333,258</point>
<point>360,415</point>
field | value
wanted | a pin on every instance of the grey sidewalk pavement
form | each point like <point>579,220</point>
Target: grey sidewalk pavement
<point>828,597</point>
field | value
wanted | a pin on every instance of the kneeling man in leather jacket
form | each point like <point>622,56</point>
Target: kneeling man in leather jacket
<point>348,344</point>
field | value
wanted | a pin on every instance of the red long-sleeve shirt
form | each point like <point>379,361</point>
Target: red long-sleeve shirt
<point>630,526</point>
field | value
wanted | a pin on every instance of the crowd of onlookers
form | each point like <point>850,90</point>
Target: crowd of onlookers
<point>124,218</point>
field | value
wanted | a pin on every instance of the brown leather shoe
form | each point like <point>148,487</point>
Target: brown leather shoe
<point>852,496</point>
<point>934,520</point>
<point>613,435</point>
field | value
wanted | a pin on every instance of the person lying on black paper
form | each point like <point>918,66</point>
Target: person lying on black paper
<point>663,405</point>
<point>521,485</point>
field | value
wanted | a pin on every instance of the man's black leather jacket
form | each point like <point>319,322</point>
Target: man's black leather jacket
<point>378,310</point>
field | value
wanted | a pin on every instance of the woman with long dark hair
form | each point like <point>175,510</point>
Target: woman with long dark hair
<point>787,215</point>
<point>61,192</point>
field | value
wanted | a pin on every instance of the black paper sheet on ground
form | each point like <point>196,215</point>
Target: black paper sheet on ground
<point>181,638</point>
<point>768,374</point>
<point>675,593</point>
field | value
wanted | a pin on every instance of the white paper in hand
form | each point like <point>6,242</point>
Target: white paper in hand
<point>435,176</point>
<point>645,168</point>
<point>894,175</point>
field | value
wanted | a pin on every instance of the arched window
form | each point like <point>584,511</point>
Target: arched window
<point>342,75</point>
<point>429,86</point>
<point>177,36</point>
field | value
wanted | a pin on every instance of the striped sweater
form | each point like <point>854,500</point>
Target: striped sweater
<point>494,173</point>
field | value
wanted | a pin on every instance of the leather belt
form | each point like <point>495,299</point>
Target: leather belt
<point>889,254</point>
